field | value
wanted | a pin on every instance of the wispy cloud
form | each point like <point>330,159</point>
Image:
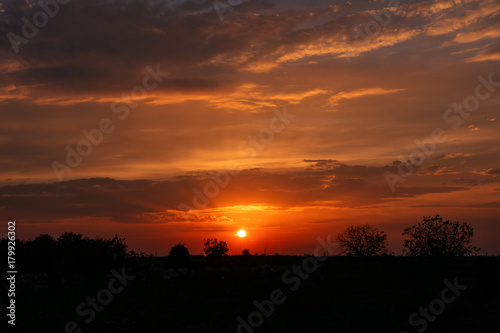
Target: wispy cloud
<point>335,99</point>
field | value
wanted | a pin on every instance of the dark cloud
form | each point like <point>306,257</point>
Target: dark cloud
<point>323,164</point>
<point>150,201</point>
<point>494,172</point>
<point>99,46</point>
<point>486,205</point>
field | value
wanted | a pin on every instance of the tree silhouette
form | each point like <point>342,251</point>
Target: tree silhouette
<point>43,251</point>
<point>438,238</point>
<point>179,256</point>
<point>245,252</point>
<point>215,248</point>
<point>74,252</point>
<point>363,240</point>
<point>116,246</point>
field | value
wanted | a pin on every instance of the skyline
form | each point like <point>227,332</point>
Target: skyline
<point>306,115</point>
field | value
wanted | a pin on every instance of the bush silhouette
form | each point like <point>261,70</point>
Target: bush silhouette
<point>179,256</point>
<point>437,238</point>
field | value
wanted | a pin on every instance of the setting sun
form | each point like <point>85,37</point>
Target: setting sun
<point>242,233</point>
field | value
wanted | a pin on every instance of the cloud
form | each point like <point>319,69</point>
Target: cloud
<point>227,76</point>
<point>474,36</point>
<point>465,14</point>
<point>190,42</point>
<point>492,54</point>
<point>486,205</point>
<point>12,92</point>
<point>245,97</point>
<point>488,172</point>
<point>157,201</point>
<point>322,164</point>
<point>456,155</point>
<point>335,99</point>
<point>442,170</point>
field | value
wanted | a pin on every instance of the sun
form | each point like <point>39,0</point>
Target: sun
<point>242,233</point>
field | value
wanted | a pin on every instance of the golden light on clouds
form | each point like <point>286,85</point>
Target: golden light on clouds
<point>335,99</point>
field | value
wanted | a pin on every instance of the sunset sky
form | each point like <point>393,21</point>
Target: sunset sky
<point>302,108</point>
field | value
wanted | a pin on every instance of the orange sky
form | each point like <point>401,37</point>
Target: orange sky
<point>302,109</point>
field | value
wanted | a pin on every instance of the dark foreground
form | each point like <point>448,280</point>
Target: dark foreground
<point>341,294</point>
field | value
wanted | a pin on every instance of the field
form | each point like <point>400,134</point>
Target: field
<point>293,294</point>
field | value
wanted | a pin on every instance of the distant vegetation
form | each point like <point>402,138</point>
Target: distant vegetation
<point>71,253</point>
<point>345,294</point>
<point>434,237</point>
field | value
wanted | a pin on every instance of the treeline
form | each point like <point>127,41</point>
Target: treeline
<point>433,237</point>
<point>70,252</point>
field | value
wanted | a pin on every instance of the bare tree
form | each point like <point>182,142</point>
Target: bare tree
<point>363,240</point>
<point>438,238</point>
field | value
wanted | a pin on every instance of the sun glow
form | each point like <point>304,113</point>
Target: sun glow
<point>242,233</point>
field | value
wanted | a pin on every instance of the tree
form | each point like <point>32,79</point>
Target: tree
<point>245,252</point>
<point>363,240</point>
<point>437,238</point>
<point>43,253</point>
<point>215,248</point>
<point>117,247</point>
<point>179,256</point>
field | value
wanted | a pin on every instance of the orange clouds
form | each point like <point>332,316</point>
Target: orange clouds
<point>12,92</point>
<point>335,99</point>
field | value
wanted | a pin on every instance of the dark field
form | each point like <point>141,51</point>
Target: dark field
<point>343,294</point>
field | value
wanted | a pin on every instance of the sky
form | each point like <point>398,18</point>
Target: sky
<point>175,121</point>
